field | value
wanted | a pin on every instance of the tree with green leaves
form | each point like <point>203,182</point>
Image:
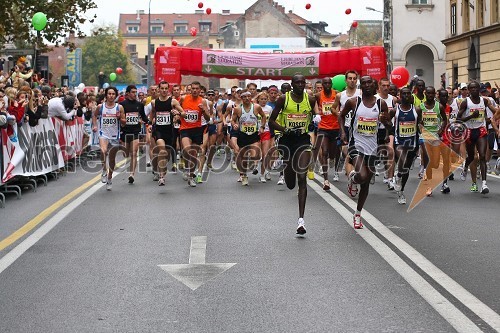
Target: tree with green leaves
<point>63,17</point>
<point>364,35</point>
<point>104,52</point>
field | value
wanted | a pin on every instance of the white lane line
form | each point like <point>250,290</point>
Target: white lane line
<point>444,307</point>
<point>465,297</point>
<point>46,227</point>
<point>198,250</point>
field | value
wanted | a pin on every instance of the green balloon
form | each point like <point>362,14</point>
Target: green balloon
<point>112,76</point>
<point>338,82</point>
<point>39,21</point>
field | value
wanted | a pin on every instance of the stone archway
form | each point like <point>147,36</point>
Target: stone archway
<point>420,61</point>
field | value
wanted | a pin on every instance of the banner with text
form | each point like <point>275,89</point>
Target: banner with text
<point>267,65</point>
<point>34,152</point>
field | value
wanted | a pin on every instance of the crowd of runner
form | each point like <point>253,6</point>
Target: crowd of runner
<point>292,130</point>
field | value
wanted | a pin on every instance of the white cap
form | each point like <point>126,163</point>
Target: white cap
<point>228,91</point>
<point>463,85</point>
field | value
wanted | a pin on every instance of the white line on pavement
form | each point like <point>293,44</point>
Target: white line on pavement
<point>445,308</point>
<point>46,227</point>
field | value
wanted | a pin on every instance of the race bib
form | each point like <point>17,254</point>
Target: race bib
<point>480,117</point>
<point>248,128</point>
<point>191,116</point>
<point>162,118</point>
<point>430,119</point>
<point>109,121</point>
<point>296,121</point>
<point>367,126</point>
<point>327,108</point>
<point>407,129</point>
<point>132,118</point>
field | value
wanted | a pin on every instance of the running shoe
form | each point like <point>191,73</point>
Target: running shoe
<point>474,188</point>
<point>335,176</point>
<point>352,188</point>
<point>390,185</point>
<point>497,167</point>
<point>104,177</point>
<point>428,192</point>
<point>182,165</point>
<point>109,185</point>
<point>262,179</point>
<point>301,229</point>
<point>310,174</point>
<point>267,175</point>
<point>401,198</point>
<point>326,185</point>
<point>233,165</point>
<point>240,179</point>
<point>244,181</point>
<point>198,179</point>
<point>445,188</point>
<point>174,167</point>
<point>463,175</point>
<point>386,180</point>
<point>398,184</point>
<point>485,189</point>
<point>281,181</point>
<point>156,176</point>
<point>185,176</point>
<point>161,181</point>
<point>191,182</point>
<point>131,179</point>
<point>357,221</point>
<point>255,172</point>
<point>451,177</point>
<point>372,180</point>
<point>148,164</point>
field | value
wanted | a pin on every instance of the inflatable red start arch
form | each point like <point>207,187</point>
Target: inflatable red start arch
<point>173,62</point>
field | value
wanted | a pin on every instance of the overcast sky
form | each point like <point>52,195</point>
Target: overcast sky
<point>329,11</point>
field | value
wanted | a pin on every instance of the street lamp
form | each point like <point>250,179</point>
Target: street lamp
<point>148,65</point>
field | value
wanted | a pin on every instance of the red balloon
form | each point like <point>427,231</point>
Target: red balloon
<point>400,76</point>
<point>200,5</point>
<point>193,31</point>
<point>209,11</point>
<point>308,6</point>
<point>119,70</point>
<point>348,11</point>
<point>355,24</point>
<point>174,42</point>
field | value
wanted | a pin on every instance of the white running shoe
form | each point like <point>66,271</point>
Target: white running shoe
<point>104,177</point>
<point>356,220</point>
<point>267,175</point>
<point>485,189</point>
<point>401,198</point>
<point>233,165</point>
<point>335,176</point>
<point>262,179</point>
<point>109,185</point>
<point>463,175</point>
<point>281,181</point>
<point>161,181</point>
<point>352,188</point>
<point>301,229</point>
<point>244,181</point>
<point>156,177</point>
<point>185,176</point>
<point>240,179</point>
<point>191,182</point>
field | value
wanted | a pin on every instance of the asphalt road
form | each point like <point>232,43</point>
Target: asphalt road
<point>101,262</point>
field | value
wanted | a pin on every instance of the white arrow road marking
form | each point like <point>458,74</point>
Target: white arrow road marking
<point>197,272</point>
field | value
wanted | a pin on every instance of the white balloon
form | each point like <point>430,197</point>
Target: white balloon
<point>81,86</point>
